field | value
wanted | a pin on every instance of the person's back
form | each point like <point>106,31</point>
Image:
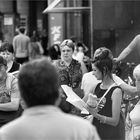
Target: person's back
<point>43,119</point>
<point>21,44</point>
<point>53,125</point>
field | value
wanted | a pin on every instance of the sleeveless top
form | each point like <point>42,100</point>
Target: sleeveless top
<point>106,131</point>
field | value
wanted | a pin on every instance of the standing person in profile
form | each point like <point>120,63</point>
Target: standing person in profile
<point>21,44</point>
<point>42,119</point>
<point>108,120</point>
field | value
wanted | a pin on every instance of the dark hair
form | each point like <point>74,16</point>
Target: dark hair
<point>38,82</point>
<point>67,42</point>
<point>54,52</point>
<point>103,62</point>
<point>6,46</point>
<point>3,61</point>
<point>22,30</point>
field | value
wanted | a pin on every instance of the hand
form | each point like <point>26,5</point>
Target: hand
<point>92,111</point>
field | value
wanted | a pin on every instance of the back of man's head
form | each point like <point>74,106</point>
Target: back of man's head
<point>22,30</point>
<point>38,83</point>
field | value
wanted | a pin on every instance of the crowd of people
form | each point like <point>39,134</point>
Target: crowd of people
<point>33,104</point>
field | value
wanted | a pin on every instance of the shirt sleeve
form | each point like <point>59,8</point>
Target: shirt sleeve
<point>14,88</point>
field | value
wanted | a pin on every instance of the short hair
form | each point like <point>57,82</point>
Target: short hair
<point>103,61</point>
<point>67,42</point>
<point>38,82</point>
<point>6,46</point>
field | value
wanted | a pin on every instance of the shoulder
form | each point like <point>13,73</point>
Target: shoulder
<point>116,91</point>
<point>10,128</point>
<point>89,74</point>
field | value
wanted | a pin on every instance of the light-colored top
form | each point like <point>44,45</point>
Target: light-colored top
<point>21,45</point>
<point>89,82</point>
<point>48,123</point>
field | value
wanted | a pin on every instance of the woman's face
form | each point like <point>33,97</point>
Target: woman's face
<point>66,53</point>
<point>97,72</point>
<point>7,55</point>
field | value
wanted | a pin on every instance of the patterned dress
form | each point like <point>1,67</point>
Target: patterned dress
<point>69,75</point>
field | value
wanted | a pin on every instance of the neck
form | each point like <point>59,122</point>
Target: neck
<point>107,81</point>
<point>67,62</point>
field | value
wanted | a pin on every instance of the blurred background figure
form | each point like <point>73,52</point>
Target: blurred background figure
<point>7,51</point>
<point>21,44</point>
<point>54,52</point>
<point>35,51</point>
<point>36,39</point>
<point>44,41</point>
<point>35,36</point>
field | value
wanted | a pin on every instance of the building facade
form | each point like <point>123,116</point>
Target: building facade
<point>114,23</point>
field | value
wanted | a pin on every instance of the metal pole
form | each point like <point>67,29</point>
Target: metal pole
<point>91,27</point>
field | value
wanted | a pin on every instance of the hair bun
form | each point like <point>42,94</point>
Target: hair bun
<point>102,55</point>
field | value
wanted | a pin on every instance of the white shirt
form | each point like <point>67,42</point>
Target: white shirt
<point>48,123</point>
<point>89,82</point>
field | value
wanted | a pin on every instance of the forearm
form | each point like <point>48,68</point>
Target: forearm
<point>124,54</point>
<point>107,120</point>
<point>10,106</point>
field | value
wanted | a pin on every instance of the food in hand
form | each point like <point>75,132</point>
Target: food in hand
<point>92,100</point>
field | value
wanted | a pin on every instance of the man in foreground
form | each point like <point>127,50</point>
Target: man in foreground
<point>42,119</point>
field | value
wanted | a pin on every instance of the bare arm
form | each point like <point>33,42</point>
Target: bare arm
<point>116,106</point>
<point>15,98</point>
<point>10,106</point>
<point>83,68</point>
<point>129,48</point>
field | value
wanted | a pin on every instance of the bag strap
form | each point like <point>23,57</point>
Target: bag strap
<point>105,94</point>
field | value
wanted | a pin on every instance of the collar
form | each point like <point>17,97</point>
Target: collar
<point>44,109</point>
